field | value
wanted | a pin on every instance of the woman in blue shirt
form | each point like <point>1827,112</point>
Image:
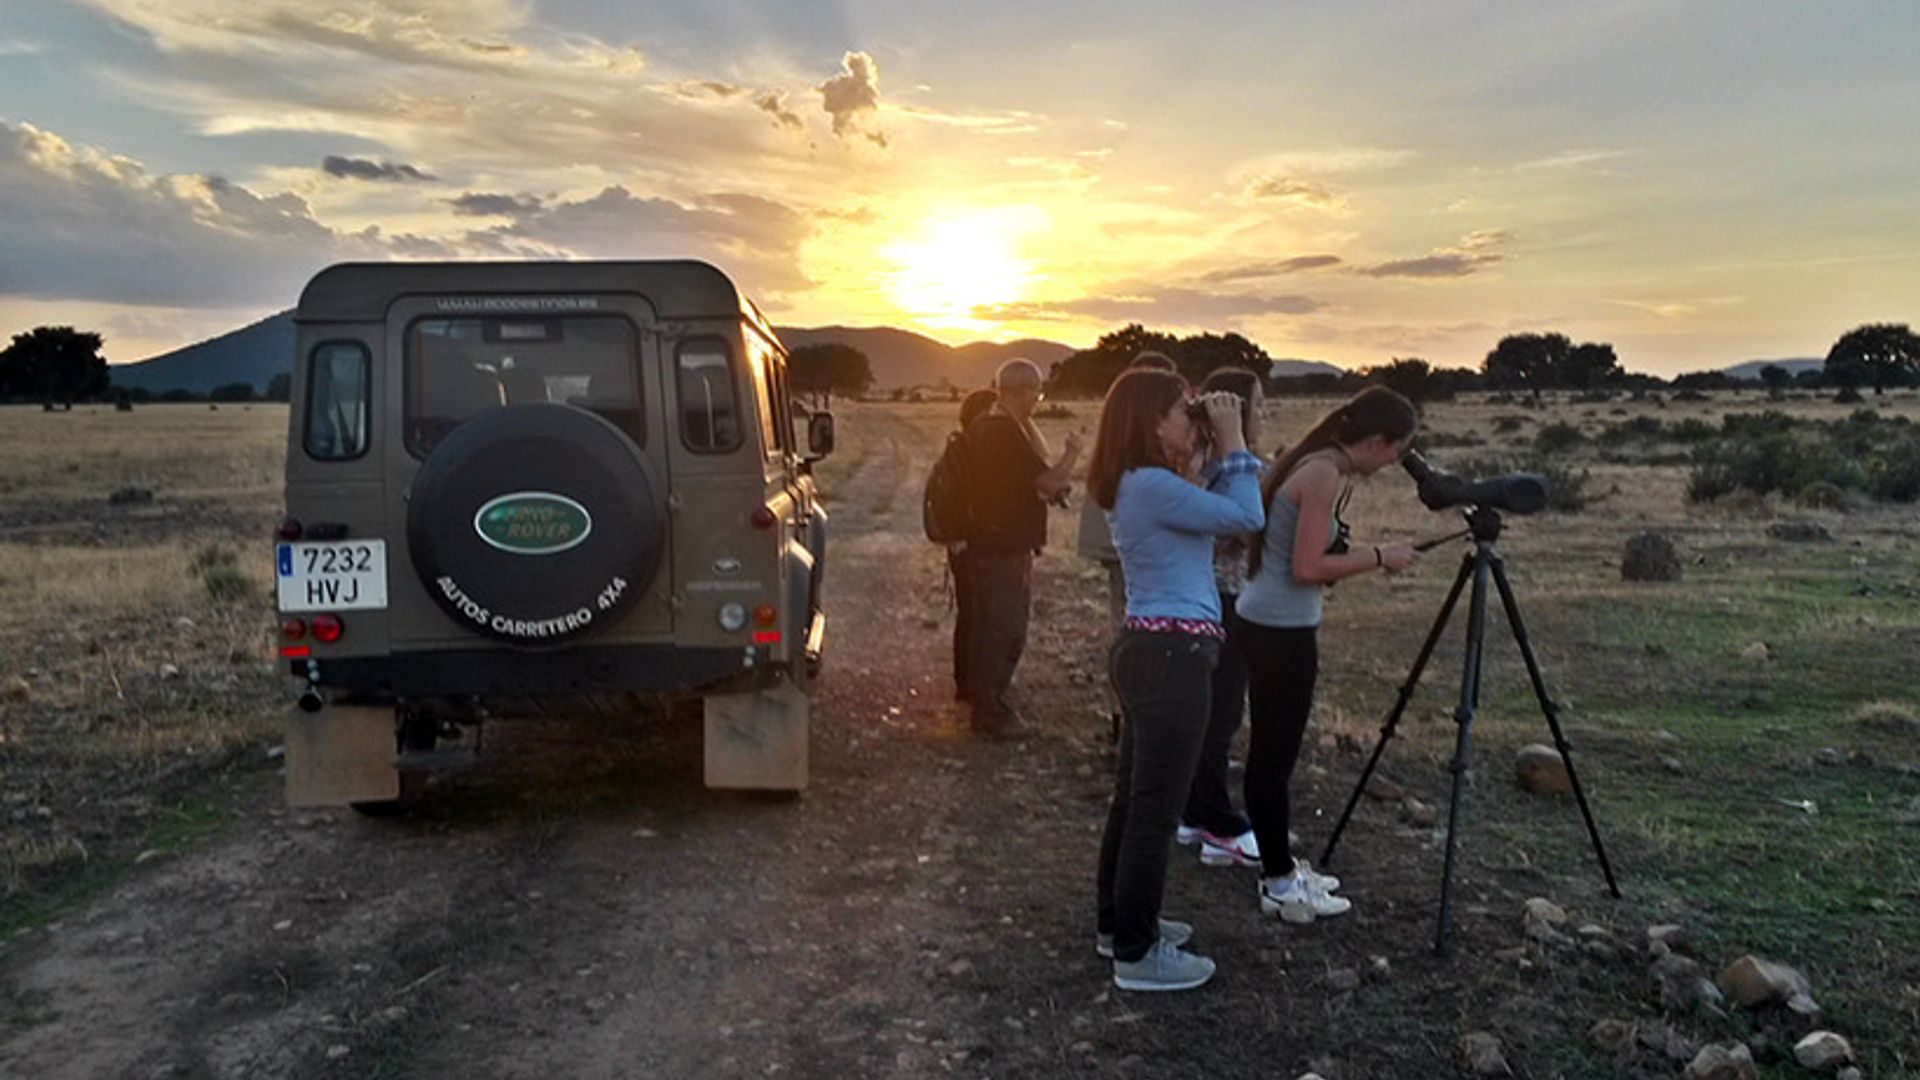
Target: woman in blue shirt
<point>1162,663</point>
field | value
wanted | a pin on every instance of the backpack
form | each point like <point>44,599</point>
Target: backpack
<point>946,509</point>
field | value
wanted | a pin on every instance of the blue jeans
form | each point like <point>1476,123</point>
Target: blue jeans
<point>1164,682</point>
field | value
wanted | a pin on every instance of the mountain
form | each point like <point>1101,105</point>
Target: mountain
<point>252,354</point>
<point>1751,369</point>
<point>1290,368</point>
<point>904,358</point>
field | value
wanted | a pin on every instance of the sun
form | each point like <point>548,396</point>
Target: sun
<point>962,261</point>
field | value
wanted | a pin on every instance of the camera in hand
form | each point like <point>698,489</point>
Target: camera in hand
<point>1515,493</point>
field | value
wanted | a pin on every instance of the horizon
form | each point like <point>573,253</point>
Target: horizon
<point>1617,172</point>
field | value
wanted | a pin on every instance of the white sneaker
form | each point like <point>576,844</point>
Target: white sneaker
<point>1297,899</point>
<point>1242,850</point>
<point>1305,869</point>
<point>1172,931</point>
<point>1187,836</point>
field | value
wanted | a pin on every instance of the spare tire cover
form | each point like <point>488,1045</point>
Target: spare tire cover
<point>535,524</point>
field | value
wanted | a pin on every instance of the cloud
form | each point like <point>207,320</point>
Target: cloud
<point>84,225</point>
<point>19,47</point>
<point>1470,256</point>
<point>1275,268</point>
<point>362,169</point>
<point>1456,264</point>
<point>774,104</point>
<point>1333,161</point>
<point>1154,305</point>
<point>852,97</point>
<point>481,204</point>
<point>757,238</point>
<point>1297,192</point>
<point>1573,159</point>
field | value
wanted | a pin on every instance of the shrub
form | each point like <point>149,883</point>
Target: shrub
<point>1848,396</point>
<point>1895,472</point>
<point>1823,495</point>
<point>1755,425</point>
<point>1691,430</point>
<point>1507,423</point>
<point>1641,429</point>
<point>1689,395</point>
<point>1557,437</point>
<point>1444,440</point>
<point>219,569</point>
<point>1501,398</point>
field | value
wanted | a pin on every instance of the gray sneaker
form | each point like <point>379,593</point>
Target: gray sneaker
<point>1165,967</point>
<point>1172,931</point>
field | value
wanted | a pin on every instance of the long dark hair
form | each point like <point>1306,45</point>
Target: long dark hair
<point>1129,433</point>
<point>1373,411</point>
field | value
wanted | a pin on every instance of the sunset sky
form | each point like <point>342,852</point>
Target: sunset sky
<point>1698,183</point>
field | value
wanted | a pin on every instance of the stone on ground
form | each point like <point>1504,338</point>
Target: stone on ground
<point>1723,1061</point>
<point>1541,770</point>
<point>1823,1050</point>
<point>1753,981</point>
<point>1483,1054</point>
<point>1611,1036</point>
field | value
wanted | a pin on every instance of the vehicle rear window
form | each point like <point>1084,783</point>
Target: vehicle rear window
<point>458,368</point>
<point>337,401</point>
<point>709,407</point>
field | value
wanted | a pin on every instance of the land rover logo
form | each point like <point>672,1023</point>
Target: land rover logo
<point>533,523</point>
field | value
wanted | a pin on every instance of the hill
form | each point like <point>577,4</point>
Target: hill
<point>252,354</point>
<point>1751,369</point>
<point>904,358</point>
<point>257,352</point>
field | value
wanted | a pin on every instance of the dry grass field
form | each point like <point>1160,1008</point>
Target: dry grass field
<point>1748,734</point>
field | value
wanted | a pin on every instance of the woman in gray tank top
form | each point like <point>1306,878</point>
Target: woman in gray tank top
<point>1304,549</point>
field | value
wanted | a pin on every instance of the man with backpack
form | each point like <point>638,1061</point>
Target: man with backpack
<point>1009,484</point>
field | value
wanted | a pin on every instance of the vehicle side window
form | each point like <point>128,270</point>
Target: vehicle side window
<point>337,401</point>
<point>709,408</point>
<point>763,380</point>
<point>783,402</point>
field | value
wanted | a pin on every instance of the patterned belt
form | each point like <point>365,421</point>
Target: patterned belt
<point>1158,624</point>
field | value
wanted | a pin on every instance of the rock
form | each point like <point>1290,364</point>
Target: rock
<point>1311,1076</point>
<point>1541,770</point>
<point>1542,910</point>
<point>1759,652</point>
<point>1822,1050</point>
<point>1673,765</point>
<point>1672,935</point>
<point>1343,980</point>
<point>1417,813</point>
<point>1379,967</point>
<point>1850,1073</point>
<point>18,689</point>
<point>1483,1054</point>
<point>1379,787</point>
<point>1803,1005</point>
<point>1888,716</point>
<point>1663,1040</point>
<point>1611,1036</point>
<point>1829,755</point>
<point>1324,1066</point>
<point>1682,985</point>
<point>131,495</point>
<point>1753,981</point>
<point>1799,531</point>
<point>1649,557</point>
<point>169,671</point>
<point>1728,1061</point>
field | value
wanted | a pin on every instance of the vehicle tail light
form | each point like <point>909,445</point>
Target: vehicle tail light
<point>327,628</point>
<point>293,629</point>
<point>765,614</point>
<point>766,637</point>
<point>763,517</point>
<point>296,650</point>
<point>290,530</point>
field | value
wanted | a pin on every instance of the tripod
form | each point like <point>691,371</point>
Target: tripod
<point>1483,524</point>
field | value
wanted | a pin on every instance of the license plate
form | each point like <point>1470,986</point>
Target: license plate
<point>345,576</point>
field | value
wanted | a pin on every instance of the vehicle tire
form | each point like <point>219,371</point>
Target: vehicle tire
<point>536,524</point>
<point>413,784</point>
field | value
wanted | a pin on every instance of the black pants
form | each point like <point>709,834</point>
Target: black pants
<point>1282,665</point>
<point>1002,589</point>
<point>1209,806</point>
<point>957,564</point>
<point>1163,681</point>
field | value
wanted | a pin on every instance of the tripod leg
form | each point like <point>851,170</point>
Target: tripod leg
<point>1463,716</point>
<point>1392,722</point>
<point>1552,712</point>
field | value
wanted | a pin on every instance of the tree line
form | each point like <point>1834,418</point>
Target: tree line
<point>59,365</point>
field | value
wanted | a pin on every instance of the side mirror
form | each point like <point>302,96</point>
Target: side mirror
<point>820,434</point>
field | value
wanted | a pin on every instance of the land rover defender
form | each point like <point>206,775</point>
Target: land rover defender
<point>523,490</point>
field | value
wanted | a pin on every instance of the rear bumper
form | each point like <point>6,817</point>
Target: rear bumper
<point>489,672</point>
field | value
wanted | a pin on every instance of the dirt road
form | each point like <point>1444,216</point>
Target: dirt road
<point>578,906</point>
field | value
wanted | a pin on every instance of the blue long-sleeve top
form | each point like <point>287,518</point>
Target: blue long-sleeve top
<point>1163,527</point>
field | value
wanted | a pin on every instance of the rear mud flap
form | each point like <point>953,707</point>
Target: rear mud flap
<point>340,755</point>
<point>759,740</point>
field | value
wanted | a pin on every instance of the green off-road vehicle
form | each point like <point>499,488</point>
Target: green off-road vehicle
<point>526,490</point>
